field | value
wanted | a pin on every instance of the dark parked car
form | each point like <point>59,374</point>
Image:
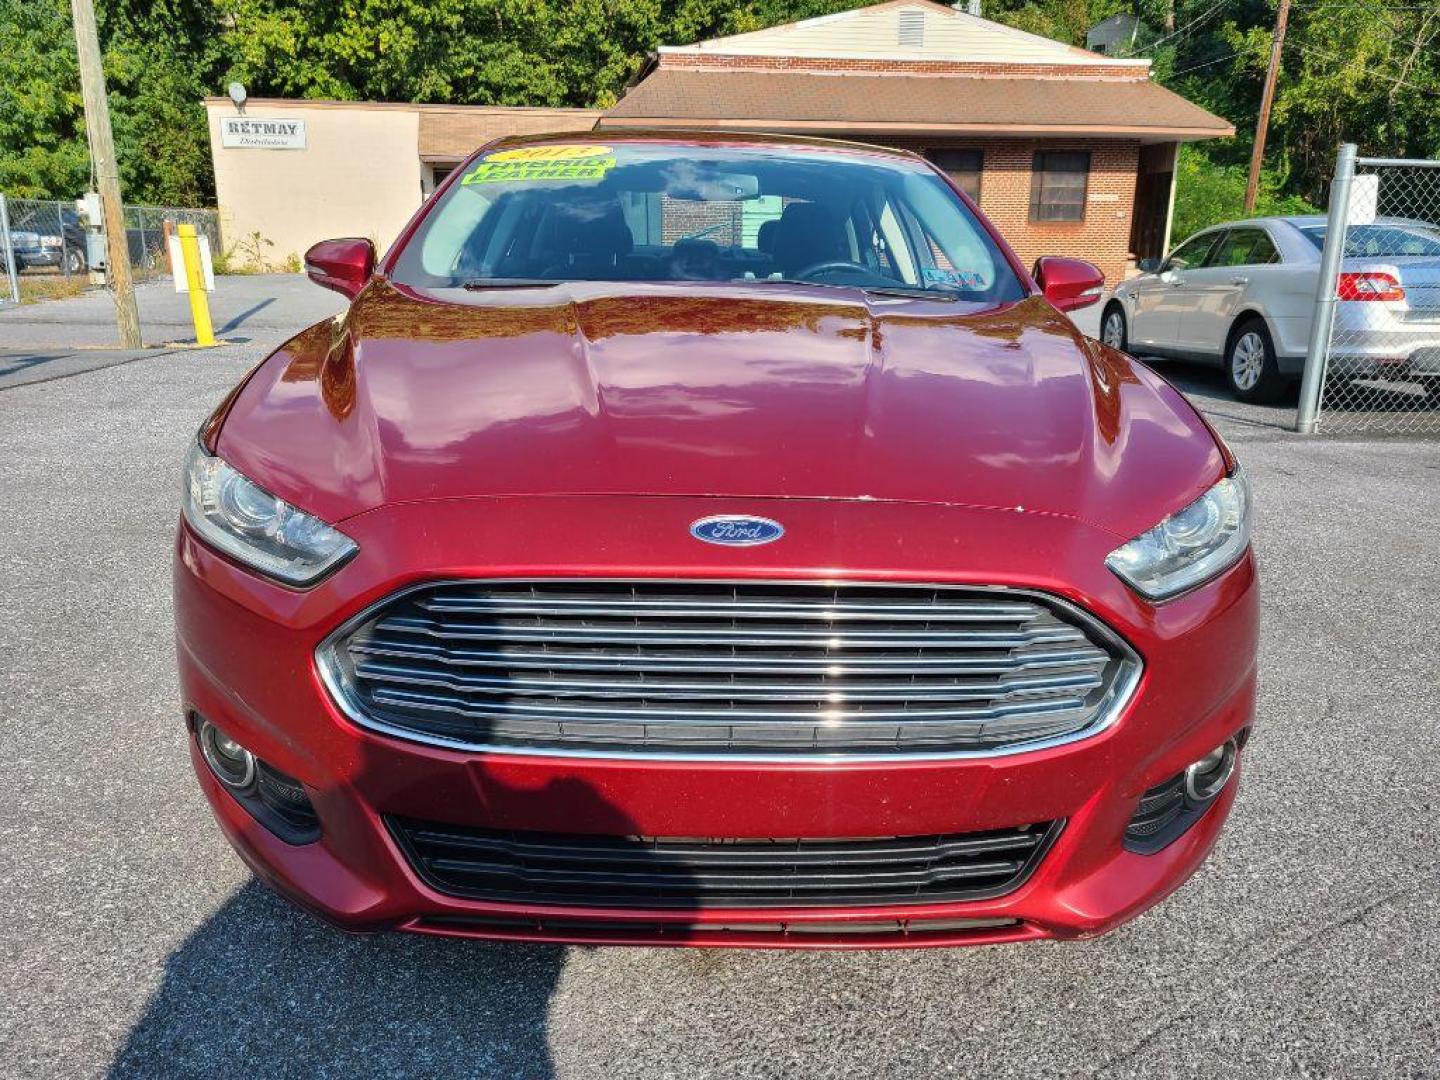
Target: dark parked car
<point>606,574</point>
<point>65,248</point>
<point>59,248</point>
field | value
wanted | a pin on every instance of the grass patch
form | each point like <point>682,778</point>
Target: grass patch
<point>51,287</point>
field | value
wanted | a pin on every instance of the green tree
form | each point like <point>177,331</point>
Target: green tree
<point>155,84</point>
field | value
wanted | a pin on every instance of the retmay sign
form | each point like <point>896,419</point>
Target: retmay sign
<point>249,133</point>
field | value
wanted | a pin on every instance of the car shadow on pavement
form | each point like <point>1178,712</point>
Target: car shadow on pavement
<point>263,987</point>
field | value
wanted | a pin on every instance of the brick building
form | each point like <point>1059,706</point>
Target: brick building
<point>1069,152</point>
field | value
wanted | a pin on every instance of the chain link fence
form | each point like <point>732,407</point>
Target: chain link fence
<point>51,237</point>
<point>1374,358</point>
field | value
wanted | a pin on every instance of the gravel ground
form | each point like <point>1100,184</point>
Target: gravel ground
<point>134,943</point>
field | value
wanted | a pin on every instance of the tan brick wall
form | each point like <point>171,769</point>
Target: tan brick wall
<point>965,68</point>
<point>1103,237</point>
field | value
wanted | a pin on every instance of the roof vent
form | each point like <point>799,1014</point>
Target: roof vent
<point>912,28</point>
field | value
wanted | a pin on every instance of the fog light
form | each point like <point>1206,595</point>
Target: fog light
<point>1169,808</point>
<point>279,802</point>
<point>231,762</point>
<point>1205,778</point>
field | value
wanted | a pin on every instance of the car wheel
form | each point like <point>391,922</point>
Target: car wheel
<point>1112,328</point>
<point>74,261</point>
<point>1250,364</point>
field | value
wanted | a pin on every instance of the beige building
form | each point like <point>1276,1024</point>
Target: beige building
<point>289,173</point>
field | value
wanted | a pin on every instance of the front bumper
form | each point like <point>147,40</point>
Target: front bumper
<point>246,650</point>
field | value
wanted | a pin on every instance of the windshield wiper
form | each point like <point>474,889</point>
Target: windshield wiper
<point>904,291</point>
<point>947,295</point>
<point>510,283</point>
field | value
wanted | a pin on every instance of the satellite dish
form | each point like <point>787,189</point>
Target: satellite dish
<point>237,94</point>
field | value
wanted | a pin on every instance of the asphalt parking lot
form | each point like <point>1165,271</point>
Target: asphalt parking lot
<point>135,944</point>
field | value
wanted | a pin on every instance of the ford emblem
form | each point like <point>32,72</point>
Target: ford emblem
<point>737,530</point>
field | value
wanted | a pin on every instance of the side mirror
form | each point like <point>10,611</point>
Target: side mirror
<point>342,265</point>
<point>1068,283</point>
<point>1148,266</point>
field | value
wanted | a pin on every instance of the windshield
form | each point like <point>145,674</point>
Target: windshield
<point>557,212</point>
<point>1381,241</point>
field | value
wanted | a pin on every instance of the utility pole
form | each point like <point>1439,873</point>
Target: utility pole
<point>102,154</point>
<point>1262,125</point>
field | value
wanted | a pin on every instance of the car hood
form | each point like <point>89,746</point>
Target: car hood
<point>753,392</point>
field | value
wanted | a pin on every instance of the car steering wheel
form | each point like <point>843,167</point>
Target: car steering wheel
<point>828,266</point>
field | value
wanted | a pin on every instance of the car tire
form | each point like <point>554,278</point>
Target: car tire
<point>1250,365</point>
<point>1113,329</point>
<point>75,261</point>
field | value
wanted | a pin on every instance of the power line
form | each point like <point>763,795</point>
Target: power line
<point>1292,43</point>
<point>1347,59</point>
<point>1366,5</point>
<point>1231,55</point>
<point>1207,63</point>
<point>1395,33</point>
<point>1186,28</point>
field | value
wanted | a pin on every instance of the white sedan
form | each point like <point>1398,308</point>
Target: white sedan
<point>1242,295</point>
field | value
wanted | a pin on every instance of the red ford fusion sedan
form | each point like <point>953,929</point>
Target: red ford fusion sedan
<point>713,540</point>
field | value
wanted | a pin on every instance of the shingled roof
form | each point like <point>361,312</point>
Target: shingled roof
<point>906,68</point>
<point>903,104</point>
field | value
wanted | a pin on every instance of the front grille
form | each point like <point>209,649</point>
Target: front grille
<point>701,668</point>
<point>677,872</point>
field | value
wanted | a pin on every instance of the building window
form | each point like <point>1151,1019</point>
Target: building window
<point>963,166</point>
<point>1057,185</point>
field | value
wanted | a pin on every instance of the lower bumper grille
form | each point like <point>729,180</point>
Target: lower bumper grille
<point>685,873</point>
<point>697,668</point>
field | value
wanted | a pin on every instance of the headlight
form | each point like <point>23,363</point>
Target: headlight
<point>1191,545</point>
<point>51,241</point>
<point>255,528</point>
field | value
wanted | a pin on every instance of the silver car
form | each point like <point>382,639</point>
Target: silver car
<point>1242,295</point>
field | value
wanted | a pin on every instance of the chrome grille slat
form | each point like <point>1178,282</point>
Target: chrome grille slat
<point>718,669</point>
<point>739,609</point>
<point>676,715</point>
<point>669,690</point>
<point>980,639</point>
<point>754,664</point>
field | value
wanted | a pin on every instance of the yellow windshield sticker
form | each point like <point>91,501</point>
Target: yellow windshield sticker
<point>549,153</point>
<point>531,163</point>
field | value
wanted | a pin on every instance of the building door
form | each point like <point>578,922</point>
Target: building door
<point>1150,216</point>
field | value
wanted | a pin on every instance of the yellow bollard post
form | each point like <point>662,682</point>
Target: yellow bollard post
<point>195,283</point>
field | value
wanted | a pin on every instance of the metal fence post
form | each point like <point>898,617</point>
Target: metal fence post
<point>1323,319</point>
<point>8,248</point>
<point>64,242</point>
